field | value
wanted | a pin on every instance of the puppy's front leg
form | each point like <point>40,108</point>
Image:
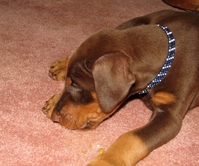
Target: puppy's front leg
<point>127,150</point>
<point>131,147</point>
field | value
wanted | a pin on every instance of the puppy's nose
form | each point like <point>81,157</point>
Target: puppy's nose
<point>55,117</point>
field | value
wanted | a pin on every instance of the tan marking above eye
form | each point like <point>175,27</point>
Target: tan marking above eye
<point>68,81</point>
<point>163,97</point>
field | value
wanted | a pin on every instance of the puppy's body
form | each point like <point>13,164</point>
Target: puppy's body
<point>114,64</point>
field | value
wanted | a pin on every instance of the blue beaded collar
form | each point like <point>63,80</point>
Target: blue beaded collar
<point>167,64</point>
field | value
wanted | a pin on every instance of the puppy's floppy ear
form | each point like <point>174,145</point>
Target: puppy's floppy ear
<point>112,78</point>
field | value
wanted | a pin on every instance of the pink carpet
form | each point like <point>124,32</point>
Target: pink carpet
<point>33,34</point>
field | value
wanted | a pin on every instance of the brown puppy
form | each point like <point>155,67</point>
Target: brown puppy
<point>158,64</point>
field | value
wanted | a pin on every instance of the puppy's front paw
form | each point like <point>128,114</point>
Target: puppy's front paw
<point>50,105</point>
<point>58,69</point>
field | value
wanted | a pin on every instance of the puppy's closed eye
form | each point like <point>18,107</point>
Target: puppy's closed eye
<point>79,95</point>
<point>73,89</point>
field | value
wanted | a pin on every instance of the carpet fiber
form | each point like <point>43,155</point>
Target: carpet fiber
<point>35,33</point>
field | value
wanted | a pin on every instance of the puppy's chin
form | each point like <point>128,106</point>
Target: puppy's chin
<point>89,125</point>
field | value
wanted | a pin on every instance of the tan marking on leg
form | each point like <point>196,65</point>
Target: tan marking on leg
<point>127,150</point>
<point>163,98</point>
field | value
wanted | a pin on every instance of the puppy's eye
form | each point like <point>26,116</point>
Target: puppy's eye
<point>74,84</point>
<point>74,88</point>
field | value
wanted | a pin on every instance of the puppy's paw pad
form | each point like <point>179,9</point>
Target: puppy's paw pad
<point>58,69</point>
<point>50,105</point>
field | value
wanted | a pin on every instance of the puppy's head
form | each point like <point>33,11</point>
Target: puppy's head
<point>90,96</point>
<point>95,87</point>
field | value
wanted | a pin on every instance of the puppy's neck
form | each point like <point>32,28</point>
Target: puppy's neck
<point>167,65</point>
